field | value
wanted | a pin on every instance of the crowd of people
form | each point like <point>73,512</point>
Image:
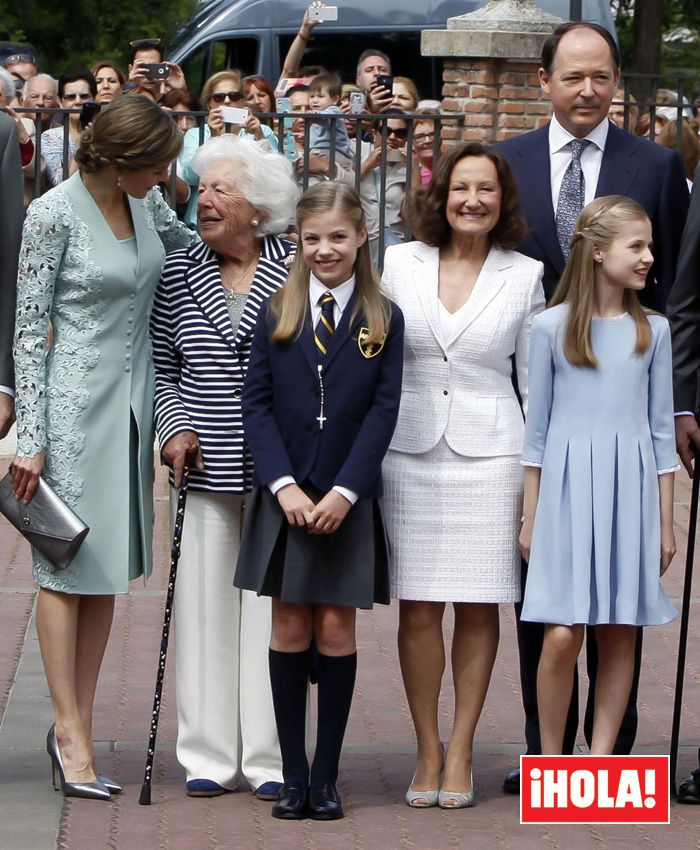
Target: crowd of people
<point>434,436</point>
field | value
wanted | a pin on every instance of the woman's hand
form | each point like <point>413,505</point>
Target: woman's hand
<point>216,122</point>
<point>668,548</point>
<point>26,472</point>
<point>180,451</point>
<point>329,513</point>
<point>252,126</point>
<point>525,539</point>
<point>297,506</point>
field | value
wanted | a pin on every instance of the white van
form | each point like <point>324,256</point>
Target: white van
<point>254,36</point>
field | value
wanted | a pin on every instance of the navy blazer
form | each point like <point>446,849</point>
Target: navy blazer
<point>649,173</point>
<point>281,406</point>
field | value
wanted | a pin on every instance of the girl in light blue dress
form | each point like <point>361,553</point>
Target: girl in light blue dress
<point>599,457</point>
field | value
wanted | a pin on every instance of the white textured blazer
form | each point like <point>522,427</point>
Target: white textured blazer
<point>462,387</point>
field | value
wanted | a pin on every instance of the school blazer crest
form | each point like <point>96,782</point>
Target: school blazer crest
<point>462,387</point>
<point>282,404</point>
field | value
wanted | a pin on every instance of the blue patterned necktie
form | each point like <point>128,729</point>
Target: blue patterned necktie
<point>325,327</point>
<point>572,196</point>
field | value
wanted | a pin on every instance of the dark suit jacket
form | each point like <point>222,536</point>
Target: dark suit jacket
<point>281,405</point>
<point>10,240</point>
<point>649,173</point>
<point>684,309</point>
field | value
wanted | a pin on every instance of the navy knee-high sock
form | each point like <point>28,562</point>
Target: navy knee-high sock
<point>289,682</point>
<point>336,683</point>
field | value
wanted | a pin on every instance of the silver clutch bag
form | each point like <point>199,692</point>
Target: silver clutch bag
<point>47,522</point>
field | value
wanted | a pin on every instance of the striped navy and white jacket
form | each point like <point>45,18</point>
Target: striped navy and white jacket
<point>201,364</point>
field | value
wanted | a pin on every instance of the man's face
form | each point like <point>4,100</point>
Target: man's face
<point>41,93</point>
<point>370,69</point>
<point>583,81</point>
<point>25,70</point>
<point>147,56</point>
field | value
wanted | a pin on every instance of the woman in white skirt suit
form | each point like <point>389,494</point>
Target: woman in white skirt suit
<point>452,477</point>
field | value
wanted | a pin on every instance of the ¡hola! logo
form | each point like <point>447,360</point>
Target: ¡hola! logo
<point>594,789</point>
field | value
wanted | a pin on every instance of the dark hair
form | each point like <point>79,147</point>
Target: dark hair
<point>145,44</point>
<point>332,82</point>
<point>549,50</point>
<point>427,211</point>
<point>311,70</point>
<point>175,97</point>
<point>392,112</point>
<point>73,77</point>
<point>296,88</point>
<point>372,52</point>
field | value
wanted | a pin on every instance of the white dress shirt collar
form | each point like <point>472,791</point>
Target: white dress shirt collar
<point>559,137</point>
<point>342,293</point>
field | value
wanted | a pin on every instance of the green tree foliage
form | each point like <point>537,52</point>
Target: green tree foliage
<point>78,33</point>
<point>679,37</point>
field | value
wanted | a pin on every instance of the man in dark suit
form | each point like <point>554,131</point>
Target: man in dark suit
<point>10,239</point>
<point>684,315</point>
<point>581,149</point>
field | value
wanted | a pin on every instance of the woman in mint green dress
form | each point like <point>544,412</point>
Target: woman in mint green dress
<point>91,256</point>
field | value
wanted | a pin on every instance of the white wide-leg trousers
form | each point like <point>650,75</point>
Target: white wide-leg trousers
<point>226,721</point>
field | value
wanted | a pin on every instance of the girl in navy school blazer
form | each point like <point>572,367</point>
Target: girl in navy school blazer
<point>319,411</point>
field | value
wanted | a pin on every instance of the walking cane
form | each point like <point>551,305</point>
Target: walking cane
<point>145,797</point>
<point>685,614</point>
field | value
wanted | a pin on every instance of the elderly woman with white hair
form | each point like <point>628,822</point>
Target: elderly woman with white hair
<point>202,324</point>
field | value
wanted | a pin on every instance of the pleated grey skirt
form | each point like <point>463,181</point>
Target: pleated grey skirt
<point>349,567</point>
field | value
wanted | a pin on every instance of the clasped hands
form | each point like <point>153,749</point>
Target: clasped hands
<point>322,518</point>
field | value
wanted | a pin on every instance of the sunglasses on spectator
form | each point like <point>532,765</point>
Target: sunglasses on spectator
<point>17,58</point>
<point>71,96</point>
<point>220,96</point>
<point>145,44</point>
<point>399,132</point>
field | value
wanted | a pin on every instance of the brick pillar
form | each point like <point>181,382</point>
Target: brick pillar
<point>491,58</point>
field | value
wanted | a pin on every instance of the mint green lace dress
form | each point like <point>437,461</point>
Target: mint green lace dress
<point>89,400</point>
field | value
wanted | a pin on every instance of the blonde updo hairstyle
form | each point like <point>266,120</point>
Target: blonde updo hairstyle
<point>131,134</point>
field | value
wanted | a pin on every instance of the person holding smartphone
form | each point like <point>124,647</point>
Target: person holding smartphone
<point>74,89</point>
<point>374,75</point>
<point>147,68</point>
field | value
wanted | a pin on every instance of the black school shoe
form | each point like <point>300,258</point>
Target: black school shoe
<point>689,791</point>
<point>324,801</point>
<point>511,784</point>
<point>291,802</point>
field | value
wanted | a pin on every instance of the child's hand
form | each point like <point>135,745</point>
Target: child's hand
<point>668,549</point>
<point>297,506</point>
<point>329,513</point>
<point>525,539</point>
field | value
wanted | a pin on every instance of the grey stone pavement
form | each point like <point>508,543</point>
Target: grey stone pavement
<point>376,767</point>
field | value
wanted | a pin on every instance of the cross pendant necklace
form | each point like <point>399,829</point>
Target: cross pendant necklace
<point>320,418</point>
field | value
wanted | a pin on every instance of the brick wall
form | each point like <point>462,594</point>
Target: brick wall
<point>500,98</point>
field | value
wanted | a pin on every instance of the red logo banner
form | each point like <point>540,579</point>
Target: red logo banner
<point>594,789</point>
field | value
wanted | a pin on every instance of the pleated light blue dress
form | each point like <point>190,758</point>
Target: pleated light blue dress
<point>602,436</point>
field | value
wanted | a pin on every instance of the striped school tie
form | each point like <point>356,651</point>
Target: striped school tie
<point>325,327</point>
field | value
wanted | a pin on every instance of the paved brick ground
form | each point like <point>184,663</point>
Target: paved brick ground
<point>375,770</point>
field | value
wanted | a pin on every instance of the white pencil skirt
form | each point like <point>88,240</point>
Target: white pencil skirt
<point>453,525</point>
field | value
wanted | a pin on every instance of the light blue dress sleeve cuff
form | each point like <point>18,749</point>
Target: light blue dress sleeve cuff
<point>276,485</point>
<point>678,412</point>
<point>531,463</point>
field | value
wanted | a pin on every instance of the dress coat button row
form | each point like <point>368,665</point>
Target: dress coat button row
<point>445,392</point>
<point>127,368</point>
<point>444,357</point>
<point>237,394</point>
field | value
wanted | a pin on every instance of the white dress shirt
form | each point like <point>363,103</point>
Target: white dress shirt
<point>342,294</point>
<point>560,157</point>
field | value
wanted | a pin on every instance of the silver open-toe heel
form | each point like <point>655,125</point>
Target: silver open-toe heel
<point>87,790</point>
<point>456,799</point>
<point>423,799</point>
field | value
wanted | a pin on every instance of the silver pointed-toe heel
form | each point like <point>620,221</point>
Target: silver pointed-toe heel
<point>456,799</point>
<point>86,790</point>
<point>112,786</point>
